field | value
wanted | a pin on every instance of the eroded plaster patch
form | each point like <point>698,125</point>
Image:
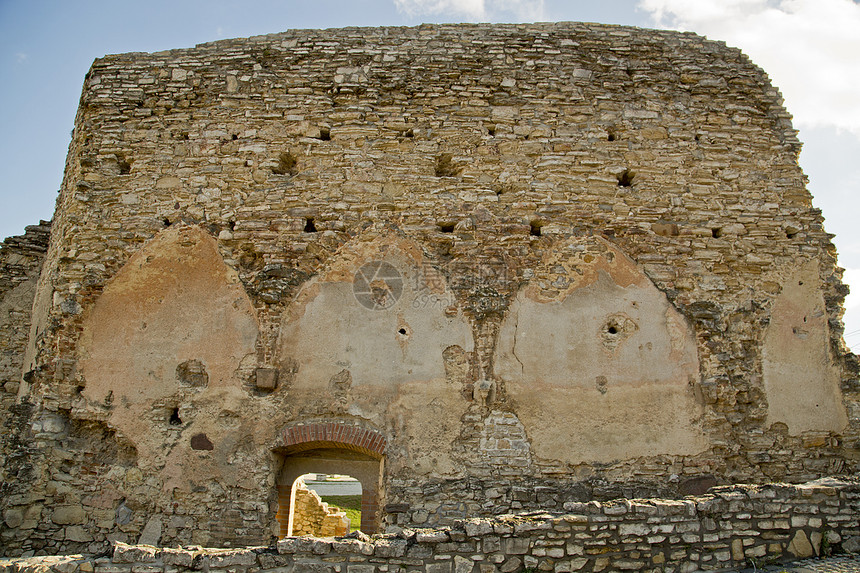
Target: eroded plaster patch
<point>166,336</point>
<point>800,378</point>
<point>393,346</point>
<point>600,366</point>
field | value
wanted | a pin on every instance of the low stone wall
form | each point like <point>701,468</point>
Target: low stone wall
<point>313,516</point>
<point>729,527</point>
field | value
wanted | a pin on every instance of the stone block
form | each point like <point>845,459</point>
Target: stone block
<point>178,557</point>
<point>491,544</point>
<point>511,565</point>
<point>390,548</point>
<point>314,567</point>
<point>142,568</point>
<point>431,536</point>
<point>478,527</point>
<point>151,533</point>
<point>517,545</point>
<point>463,565</point>
<point>78,534</point>
<point>266,379</point>
<point>68,515</point>
<point>634,529</point>
<point>288,545</point>
<point>13,517</point>
<point>124,553</point>
<point>110,568</point>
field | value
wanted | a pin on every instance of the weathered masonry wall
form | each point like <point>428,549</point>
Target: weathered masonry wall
<point>20,263</point>
<point>21,260</point>
<point>732,527</point>
<point>493,268</point>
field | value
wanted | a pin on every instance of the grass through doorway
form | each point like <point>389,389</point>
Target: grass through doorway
<point>351,504</point>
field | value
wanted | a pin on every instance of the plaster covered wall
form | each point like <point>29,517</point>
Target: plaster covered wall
<point>359,335</point>
<point>167,339</point>
<point>517,266</point>
<point>591,344</point>
<point>800,377</point>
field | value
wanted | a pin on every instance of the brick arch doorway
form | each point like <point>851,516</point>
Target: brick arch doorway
<point>331,448</point>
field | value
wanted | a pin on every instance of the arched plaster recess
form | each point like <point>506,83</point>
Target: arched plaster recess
<point>174,302</point>
<point>598,363</point>
<point>390,353</point>
<point>800,379</point>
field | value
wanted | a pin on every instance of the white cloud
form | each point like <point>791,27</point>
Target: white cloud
<point>468,8</point>
<point>808,47</point>
<point>851,277</point>
<point>476,10</point>
<point>21,58</point>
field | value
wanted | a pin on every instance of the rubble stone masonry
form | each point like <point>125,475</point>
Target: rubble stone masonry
<point>731,527</point>
<point>484,269</point>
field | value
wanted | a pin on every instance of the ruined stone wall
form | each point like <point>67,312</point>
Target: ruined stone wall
<point>312,516</point>
<point>744,526</point>
<point>21,260</point>
<point>509,265</point>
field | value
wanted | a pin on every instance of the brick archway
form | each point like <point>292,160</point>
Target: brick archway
<point>313,435</point>
<point>335,447</point>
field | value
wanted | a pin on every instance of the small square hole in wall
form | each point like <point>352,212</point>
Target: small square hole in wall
<point>625,178</point>
<point>286,164</point>
<point>309,225</point>
<point>534,228</point>
<point>445,166</point>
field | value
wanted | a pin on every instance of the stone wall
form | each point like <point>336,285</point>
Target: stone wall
<point>504,265</point>
<point>730,527</point>
<point>21,260</point>
<point>312,516</point>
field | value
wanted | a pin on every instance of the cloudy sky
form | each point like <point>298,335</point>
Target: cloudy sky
<point>810,49</point>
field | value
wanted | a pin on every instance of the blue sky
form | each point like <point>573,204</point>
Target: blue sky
<point>808,47</point>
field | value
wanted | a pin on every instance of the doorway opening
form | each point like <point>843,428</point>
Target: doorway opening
<point>331,447</point>
<point>349,477</point>
<point>323,505</point>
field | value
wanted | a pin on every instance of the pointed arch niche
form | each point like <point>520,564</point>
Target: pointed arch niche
<point>600,365</point>
<point>371,337</point>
